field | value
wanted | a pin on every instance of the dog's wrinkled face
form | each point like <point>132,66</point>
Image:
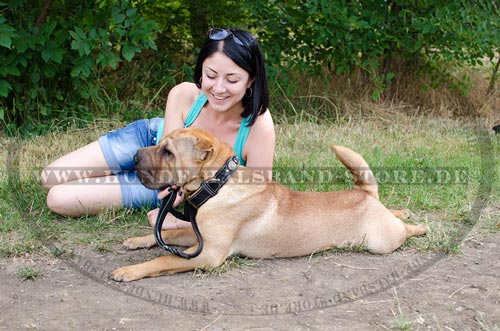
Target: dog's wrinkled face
<point>179,159</point>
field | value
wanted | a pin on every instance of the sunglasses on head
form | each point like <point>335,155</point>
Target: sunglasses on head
<point>223,34</point>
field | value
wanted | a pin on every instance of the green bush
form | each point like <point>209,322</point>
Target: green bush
<point>429,37</point>
<point>54,53</point>
<point>67,60</point>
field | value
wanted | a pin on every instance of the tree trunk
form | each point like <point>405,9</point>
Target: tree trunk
<point>199,22</point>
<point>44,12</point>
<point>491,86</point>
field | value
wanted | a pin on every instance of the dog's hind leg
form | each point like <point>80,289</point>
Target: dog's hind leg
<point>400,213</point>
<point>415,230</point>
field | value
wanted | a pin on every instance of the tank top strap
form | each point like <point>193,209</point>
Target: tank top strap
<point>241,139</point>
<point>241,136</point>
<point>195,110</point>
<point>191,116</point>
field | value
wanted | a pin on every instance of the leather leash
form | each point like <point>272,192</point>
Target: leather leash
<point>195,200</point>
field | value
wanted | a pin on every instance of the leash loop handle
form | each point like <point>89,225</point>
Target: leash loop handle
<point>165,208</point>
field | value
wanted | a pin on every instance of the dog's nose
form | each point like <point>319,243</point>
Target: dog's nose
<point>136,158</point>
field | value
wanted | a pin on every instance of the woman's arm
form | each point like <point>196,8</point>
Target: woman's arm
<point>180,99</point>
<point>259,148</point>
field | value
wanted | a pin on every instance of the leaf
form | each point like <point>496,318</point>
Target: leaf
<point>5,41</point>
<point>375,95</point>
<point>128,51</point>
<point>13,71</point>
<point>35,77</point>
<point>57,55</point>
<point>115,11</point>
<point>5,87</point>
<point>86,48</point>
<point>76,45</point>
<point>46,54</point>
<point>78,34</point>
<point>54,54</point>
<point>6,28</point>
<point>118,19</point>
<point>6,34</point>
<point>81,33</point>
<point>108,59</point>
<point>131,12</point>
<point>389,76</point>
<point>74,35</point>
<point>83,67</point>
<point>75,72</point>
<point>21,45</point>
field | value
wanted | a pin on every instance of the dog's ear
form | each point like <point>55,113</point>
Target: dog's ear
<point>204,155</point>
<point>204,148</point>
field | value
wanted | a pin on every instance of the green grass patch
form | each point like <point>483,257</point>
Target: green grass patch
<point>401,148</point>
<point>233,262</point>
<point>29,273</point>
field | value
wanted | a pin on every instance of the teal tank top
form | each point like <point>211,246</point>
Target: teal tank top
<point>241,136</point>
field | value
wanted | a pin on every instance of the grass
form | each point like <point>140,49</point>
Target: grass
<point>29,273</point>
<point>233,262</point>
<point>400,322</point>
<point>396,149</point>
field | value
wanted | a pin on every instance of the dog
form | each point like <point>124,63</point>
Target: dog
<point>256,218</point>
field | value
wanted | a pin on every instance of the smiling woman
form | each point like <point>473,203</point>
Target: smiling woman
<point>229,99</point>
<point>224,83</point>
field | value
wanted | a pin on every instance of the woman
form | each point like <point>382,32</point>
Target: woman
<point>229,98</point>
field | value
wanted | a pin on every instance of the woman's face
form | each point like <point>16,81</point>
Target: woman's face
<point>224,83</point>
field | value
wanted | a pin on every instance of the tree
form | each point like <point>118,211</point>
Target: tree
<point>430,36</point>
<point>53,52</point>
<point>64,58</point>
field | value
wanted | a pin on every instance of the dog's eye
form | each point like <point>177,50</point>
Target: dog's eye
<point>166,152</point>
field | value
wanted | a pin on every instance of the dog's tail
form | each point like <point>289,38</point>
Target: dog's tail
<point>363,176</point>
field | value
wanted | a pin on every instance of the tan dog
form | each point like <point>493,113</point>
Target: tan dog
<point>256,219</point>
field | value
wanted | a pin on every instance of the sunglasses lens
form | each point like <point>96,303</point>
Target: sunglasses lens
<point>238,41</point>
<point>219,34</point>
<point>222,34</point>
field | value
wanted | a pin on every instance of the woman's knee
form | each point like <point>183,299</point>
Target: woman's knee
<point>78,199</point>
<point>47,178</point>
<point>62,201</point>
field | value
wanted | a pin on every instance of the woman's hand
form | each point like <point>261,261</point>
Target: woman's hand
<point>171,222</point>
<point>178,199</point>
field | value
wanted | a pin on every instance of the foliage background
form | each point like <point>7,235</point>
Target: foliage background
<point>67,61</point>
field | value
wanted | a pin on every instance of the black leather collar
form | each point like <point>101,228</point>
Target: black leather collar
<point>211,187</point>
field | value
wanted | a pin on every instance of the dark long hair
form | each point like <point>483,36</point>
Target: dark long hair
<point>248,57</point>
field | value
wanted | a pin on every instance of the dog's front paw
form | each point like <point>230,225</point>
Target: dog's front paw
<point>139,242</point>
<point>126,274</point>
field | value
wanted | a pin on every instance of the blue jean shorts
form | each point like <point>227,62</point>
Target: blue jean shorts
<point>119,147</point>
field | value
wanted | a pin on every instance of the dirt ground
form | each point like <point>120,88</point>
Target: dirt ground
<point>336,291</point>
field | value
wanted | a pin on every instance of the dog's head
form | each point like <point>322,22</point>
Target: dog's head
<point>184,158</point>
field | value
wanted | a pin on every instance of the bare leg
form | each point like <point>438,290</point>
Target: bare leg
<point>85,162</point>
<point>81,183</point>
<point>85,196</point>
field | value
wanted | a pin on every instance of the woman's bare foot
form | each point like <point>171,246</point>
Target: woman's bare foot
<point>170,223</point>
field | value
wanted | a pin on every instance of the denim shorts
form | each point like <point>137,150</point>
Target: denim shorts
<point>119,147</point>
